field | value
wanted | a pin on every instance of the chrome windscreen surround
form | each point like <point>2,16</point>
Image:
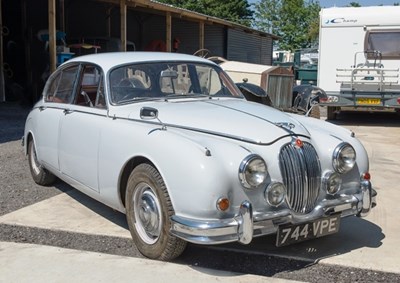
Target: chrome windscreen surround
<point>301,175</point>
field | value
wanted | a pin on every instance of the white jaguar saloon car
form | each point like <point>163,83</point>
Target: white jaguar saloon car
<point>169,140</point>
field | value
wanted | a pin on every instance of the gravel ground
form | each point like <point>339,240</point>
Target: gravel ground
<point>18,190</point>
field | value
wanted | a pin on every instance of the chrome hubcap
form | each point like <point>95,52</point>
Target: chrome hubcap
<point>147,211</point>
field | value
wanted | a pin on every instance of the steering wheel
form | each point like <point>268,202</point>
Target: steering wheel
<point>204,53</point>
<point>126,83</point>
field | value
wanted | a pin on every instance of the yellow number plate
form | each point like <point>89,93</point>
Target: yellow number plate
<point>369,101</point>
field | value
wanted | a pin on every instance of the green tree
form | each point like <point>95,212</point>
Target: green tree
<point>295,21</point>
<point>354,4</point>
<point>238,11</point>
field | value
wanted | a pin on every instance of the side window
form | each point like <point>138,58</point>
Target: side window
<point>90,90</point>
<point>385,41</point>
<point>100,99</point>
<point>51,88</point>
<point>61,87</point>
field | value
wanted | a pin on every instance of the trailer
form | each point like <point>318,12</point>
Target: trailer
<point>359,58</point>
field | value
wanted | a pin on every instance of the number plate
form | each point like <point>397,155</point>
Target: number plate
<point>369,101</point>
<point>289,234</point>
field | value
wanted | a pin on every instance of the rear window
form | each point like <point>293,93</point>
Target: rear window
<point>386,42</point>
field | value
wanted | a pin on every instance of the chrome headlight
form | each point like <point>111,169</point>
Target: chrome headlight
<point>344,158</point>
<point>253,172</point>
<point>275,194</point>
<point>333,182</point>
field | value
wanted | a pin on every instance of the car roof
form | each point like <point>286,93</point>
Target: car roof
<point>112,59</point>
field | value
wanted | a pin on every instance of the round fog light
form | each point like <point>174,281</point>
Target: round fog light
<point>333,182</point>
<point>275,194</point>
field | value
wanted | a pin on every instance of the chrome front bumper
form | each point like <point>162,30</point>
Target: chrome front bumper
<point>246,225</point>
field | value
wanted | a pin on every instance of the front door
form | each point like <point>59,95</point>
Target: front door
<point>80,130</point>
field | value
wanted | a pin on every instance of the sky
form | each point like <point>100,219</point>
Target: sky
<point>341,3</point>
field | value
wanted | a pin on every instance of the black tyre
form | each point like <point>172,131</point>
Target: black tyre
<point>40,175</point>
<point>315,112</point>
<point>331,112</point>
<point>148,212</point>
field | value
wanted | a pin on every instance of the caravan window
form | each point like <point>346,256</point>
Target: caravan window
<point>387,42</point>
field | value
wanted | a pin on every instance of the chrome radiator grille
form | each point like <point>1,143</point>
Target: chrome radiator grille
<point>301,173</point>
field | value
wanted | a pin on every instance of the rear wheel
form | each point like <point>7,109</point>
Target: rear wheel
<point>331,112</point>
<point>148,212</point>
<point>40,175</point>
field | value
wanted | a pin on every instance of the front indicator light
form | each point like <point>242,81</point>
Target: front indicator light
<point>275,194</point>
<point>253,172</point>
<point>333,182</point>
<point>366,176</point>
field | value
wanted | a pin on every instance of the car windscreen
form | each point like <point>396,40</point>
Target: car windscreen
<point>136,82</point>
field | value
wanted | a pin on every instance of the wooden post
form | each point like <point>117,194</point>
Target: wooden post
<point>123,24</point>
<point>52,35</point>
<point>168,31</point>
<point>201,35</point>
<point>2,89</point>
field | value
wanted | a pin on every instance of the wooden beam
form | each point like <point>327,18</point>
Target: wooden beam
<point>52,35</point>
<point>168,36</point>
<point>188,15</point>
<point>201,35</point>
<point>123,24</point>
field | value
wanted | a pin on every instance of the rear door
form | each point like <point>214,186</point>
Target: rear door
<point>58,94</point>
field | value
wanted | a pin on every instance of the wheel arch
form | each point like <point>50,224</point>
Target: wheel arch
<point>130,165</point>
<point>29,138</point>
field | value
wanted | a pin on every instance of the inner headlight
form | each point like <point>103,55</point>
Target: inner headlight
<point>253,172</point>
<point>275,194</point>
<point>344,158</point>
<point>333,182</point>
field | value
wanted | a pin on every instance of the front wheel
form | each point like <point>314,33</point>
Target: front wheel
<point>40,175</point>
<point>148,212</point>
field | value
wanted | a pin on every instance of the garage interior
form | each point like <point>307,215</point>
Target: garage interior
<point>39,35</point>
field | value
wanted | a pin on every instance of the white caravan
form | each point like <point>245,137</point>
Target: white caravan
<point>359,58</point>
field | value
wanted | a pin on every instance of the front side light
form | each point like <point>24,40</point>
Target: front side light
<point>344,158</point>
<point>253,172</point>
<point>223,204</point>
<point>333,182</point>
<point>275,193</point>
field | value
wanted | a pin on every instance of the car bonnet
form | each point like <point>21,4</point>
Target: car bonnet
<point>231,118</point>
